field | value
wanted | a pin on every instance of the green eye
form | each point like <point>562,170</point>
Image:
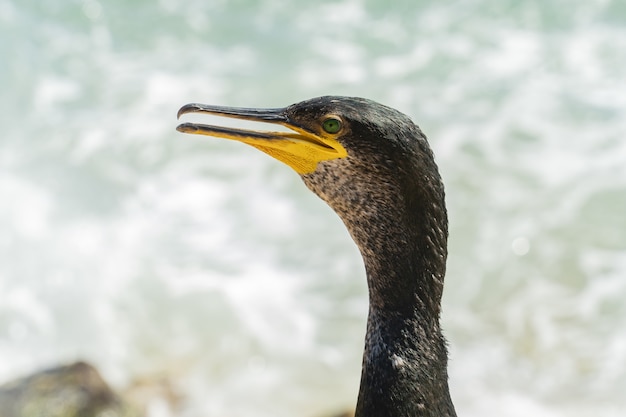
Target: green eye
<point>331,125</point>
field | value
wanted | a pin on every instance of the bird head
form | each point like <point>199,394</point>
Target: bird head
<point>347,150</point>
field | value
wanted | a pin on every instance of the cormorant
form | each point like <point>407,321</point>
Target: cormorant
<point>373,166</point>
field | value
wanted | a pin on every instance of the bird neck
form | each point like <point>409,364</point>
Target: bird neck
<point>405,358</point>
<point>404,369</point>
<point>395,213</point>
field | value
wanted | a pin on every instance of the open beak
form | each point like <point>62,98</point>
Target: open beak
<point>300,148</point>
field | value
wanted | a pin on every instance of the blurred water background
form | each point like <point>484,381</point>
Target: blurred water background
<point>206,263</point>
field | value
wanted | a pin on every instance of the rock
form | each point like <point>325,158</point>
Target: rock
<point>75,390</point>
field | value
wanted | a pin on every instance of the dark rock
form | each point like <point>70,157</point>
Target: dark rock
<point>75,390</point>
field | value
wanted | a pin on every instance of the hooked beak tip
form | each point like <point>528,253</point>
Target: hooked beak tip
<point>187,108</point>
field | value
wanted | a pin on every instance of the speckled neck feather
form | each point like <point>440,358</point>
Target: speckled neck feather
<point>393,206</point>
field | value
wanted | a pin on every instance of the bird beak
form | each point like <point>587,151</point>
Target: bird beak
<point>300,148</point>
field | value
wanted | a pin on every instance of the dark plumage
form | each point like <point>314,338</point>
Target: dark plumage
<point>383,183</point>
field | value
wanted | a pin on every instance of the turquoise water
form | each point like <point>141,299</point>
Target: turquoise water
<point>204,262</point>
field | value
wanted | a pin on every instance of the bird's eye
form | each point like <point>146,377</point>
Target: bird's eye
<point>331,125</point>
